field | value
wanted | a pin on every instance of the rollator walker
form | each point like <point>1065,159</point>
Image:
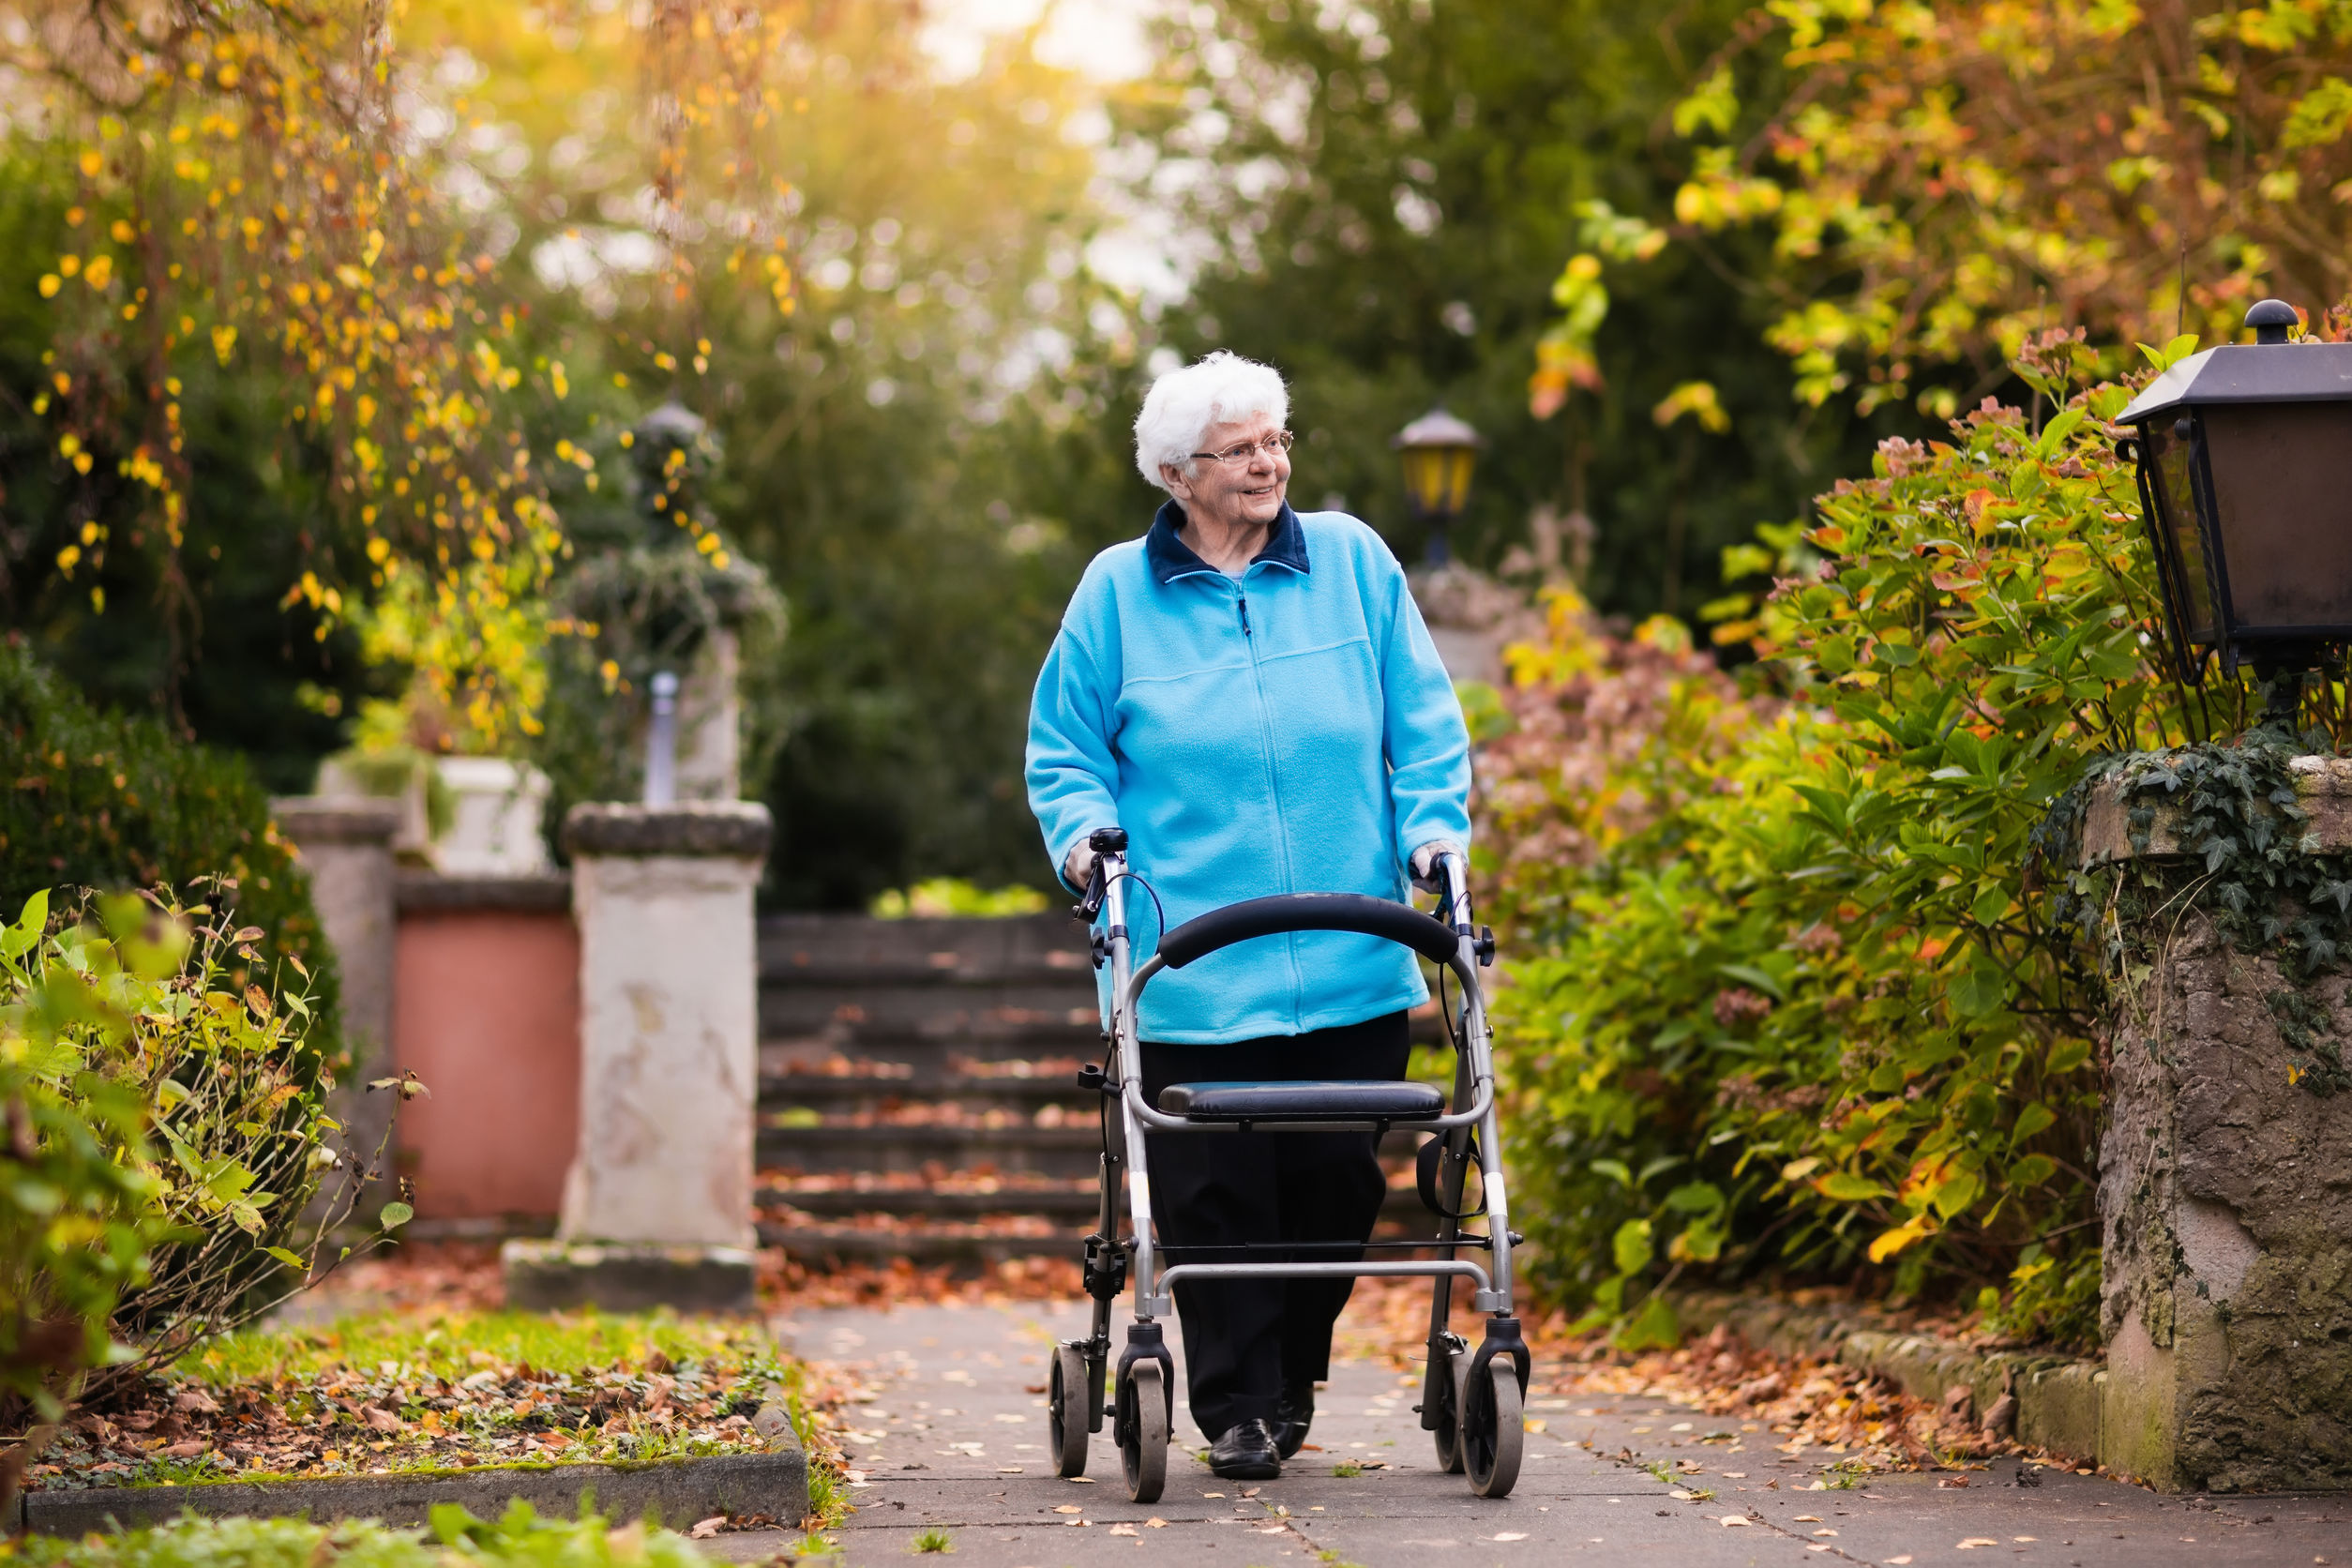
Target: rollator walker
<point>1471,1400</point>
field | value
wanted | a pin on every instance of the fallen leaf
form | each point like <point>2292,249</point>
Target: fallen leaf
<point>1080,1480</point>
<point>1213,1494</point>
<point>382,1420</point>
<point>1808,1518</point>
<point>1679,1495</point>
<point>1155,1522</point>
<point>196,1400</point>
<point>704,1529</point>
<point>1511,1535</point>
<point>1975,1540</point>
<point>1008,1470</point>
<point>1032,1388</point>
<point>1533,1424</point>
<point>1251,1491</point>
<point>1902,1561</point>
<point>1068,1508</point>
<point>188,1450</point>
<point>1124,1530</point>
<point>1730,1519</point>
<point>1825,1530</point>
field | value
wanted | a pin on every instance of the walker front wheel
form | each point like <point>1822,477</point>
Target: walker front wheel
<point>1143,1441</point>
<point>1493,1429</point>
<point>1448,1430</point>
<point>1066,1411</point>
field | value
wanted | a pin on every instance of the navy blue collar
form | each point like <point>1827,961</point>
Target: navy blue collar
<point>1171,558</point>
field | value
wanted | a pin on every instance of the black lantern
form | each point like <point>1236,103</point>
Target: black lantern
<point>2243,453</point>
<point>1439,452</point>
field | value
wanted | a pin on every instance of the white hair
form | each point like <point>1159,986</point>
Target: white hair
<point>1184,404</point>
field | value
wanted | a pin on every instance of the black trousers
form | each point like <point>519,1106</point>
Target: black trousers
<point>1244,1338</point>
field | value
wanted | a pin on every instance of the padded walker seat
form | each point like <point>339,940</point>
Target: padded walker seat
<point>1336,1100</point>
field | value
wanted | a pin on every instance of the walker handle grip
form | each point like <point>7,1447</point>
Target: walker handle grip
<point>1308,911</point>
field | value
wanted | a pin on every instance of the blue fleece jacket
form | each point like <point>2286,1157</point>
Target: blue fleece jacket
<point>1291,731</point>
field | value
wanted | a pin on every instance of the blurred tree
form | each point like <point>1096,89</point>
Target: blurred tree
<point>1382,194</point>
<point>920,422</point>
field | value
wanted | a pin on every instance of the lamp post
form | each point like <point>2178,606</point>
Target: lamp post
<point>1439,452</point>
<point>2240,452</point>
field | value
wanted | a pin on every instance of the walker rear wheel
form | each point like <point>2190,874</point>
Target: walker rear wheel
<point>1143,1443</point>
<point>1493,1429</point>
<point>1066,1411</point>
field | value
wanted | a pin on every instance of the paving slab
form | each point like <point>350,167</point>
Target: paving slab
<point>951,1436</point>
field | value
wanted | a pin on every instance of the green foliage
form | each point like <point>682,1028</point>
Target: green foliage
<point>93,799</point>
<point>933,1540</point>
<point>1803,999</point>
<point>76,1218</point>
<point>951,896</point>
<point>517,1537</point>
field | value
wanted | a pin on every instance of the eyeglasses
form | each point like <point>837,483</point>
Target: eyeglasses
<point>1273,446</point>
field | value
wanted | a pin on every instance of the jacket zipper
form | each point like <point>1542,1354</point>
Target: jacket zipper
<point>1273,787</point>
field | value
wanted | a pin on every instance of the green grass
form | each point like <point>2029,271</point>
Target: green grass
<point>455,1344</point>
<point>933,1540</point>
<point>1347,1469</point>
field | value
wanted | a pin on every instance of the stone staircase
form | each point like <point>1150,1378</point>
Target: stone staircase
<point>918,1095</point>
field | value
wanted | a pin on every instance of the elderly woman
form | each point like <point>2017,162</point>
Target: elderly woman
<point>1251,693</point>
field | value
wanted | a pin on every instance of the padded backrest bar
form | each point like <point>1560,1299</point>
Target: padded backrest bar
<point>1308,911</point>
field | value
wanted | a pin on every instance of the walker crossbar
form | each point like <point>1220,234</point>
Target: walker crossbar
<point>1477,1424</point>
<point>1429,1267</point>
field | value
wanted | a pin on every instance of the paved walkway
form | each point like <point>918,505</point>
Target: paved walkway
<point>954,1438</point>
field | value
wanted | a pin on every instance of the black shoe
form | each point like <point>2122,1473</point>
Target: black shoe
<point>1293,1415</point>
<point>1245,1452</point>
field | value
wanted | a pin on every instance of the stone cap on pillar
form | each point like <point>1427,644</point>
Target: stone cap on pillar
<point>336,819</point>
<point>2323,788</point>
<point>728,829</point>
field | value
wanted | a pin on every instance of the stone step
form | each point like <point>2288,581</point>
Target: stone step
<point>886,1021</point>
<point>1065,1151</point>
<point>1071,1202</point>
<point>880,1099</point>
<point>848,1052</point>
<point>921,947</point>
<point>1012,1145</point>
<point>1068,1203</point>
<point>966,1238</point>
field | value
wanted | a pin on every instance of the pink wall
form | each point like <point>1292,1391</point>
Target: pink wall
<point>486,1011</point>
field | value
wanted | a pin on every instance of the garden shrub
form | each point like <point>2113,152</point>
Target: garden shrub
<point>167,1130</point>
<point>94,799</point>
<point>1800,999</point>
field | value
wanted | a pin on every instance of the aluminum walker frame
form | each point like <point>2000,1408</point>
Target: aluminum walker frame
<point>1470,1404</point>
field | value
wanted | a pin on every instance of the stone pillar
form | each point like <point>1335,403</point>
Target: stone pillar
<point>345,847</point>
<point>657,1204</point>
<point>2224,1186</point>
